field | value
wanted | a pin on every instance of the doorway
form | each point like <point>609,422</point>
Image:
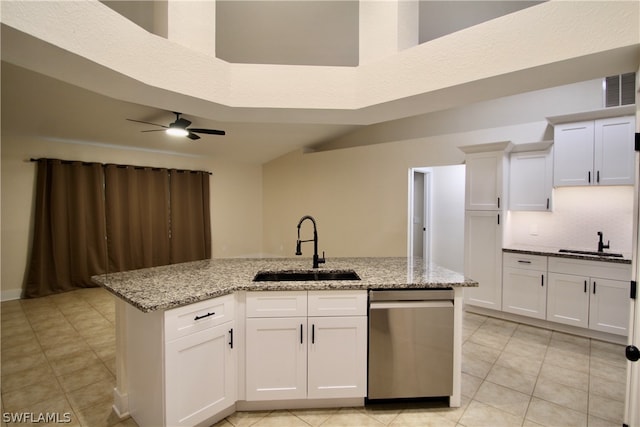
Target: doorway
<point>419,220</point>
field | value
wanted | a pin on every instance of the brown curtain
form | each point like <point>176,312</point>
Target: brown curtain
<point>190,218</point>
<point>137,215</point>
<point>69,231</point>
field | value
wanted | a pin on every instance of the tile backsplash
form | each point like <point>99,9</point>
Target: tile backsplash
<point>578,214</point>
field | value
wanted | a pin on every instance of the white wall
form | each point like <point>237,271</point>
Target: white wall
<point>447,221</point>
<point>236,198</point>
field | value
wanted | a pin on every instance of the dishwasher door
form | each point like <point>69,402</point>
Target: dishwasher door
<point>410,344</point>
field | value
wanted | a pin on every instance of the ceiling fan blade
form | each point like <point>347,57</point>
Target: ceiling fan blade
<point>193,136</point>
<point>147,123</point>
<point>154,130</point>
<point>208,131</point>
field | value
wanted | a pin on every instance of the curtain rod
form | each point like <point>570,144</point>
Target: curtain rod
<point>120,166</point>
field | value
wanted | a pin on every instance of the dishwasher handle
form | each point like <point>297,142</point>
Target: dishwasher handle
<point>386,305</point>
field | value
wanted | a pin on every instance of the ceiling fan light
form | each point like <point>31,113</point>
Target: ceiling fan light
<point>177,131</point>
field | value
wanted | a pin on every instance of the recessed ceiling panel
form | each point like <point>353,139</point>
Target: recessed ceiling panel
<point>288,32</point>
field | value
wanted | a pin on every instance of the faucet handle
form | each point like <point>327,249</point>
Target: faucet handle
<point>322,260</point>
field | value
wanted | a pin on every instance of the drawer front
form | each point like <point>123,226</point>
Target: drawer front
<point>524,261</point>
<point>600,269</point>
<point>276,304</point>
<point>338,303</point>
<point>183,321</point>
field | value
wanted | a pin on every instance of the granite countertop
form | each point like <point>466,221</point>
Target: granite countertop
<point>554,252</point>
<point>170,286</point>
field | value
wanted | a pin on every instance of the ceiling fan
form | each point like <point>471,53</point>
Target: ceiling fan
<point>180,128</point>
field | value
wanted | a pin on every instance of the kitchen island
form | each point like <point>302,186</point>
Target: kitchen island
<point>156,309</point>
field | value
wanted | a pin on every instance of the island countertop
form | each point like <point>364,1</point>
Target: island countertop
<point>175,285</point>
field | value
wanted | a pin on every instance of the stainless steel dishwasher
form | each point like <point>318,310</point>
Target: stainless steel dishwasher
<point>410,343</point>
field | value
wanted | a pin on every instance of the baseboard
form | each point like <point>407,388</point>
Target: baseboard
<point>11,294</point>
<point>298,404</point>
<point>545,324</point>
<point>120,404</point>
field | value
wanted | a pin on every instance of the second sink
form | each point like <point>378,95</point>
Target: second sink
<point>605,254</point>
<point>305,275</point>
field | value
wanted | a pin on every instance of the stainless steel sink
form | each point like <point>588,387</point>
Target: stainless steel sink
<point>594,253</point>
<point>305,275</point>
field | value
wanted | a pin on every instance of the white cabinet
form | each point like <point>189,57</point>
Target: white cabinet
<point>276,358</point>
<point>299,357</point>
<point>589,294</point>
<point>483,258</point>
<point>181,363</point>
<point>594,152</point>
<point>524,285</point>
<point>486,178</point>
<point>200,376</point>
<point>531,180</point>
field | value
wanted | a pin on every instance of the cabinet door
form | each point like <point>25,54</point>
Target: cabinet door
<point>614,151</point>
<point>530,181</point>
<point>484,181</point>
<point>609,306</point>
<point>524,292</point>
<point>573,154</point>
<point>276,358</point>
<point>200,376</point>
<point>568,299</point>
<point>337,357</point>
<point>483,258</point>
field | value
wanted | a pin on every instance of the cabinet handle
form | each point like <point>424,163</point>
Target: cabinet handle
<point>594,288</point>
<point>498,202</point>
<point>598,177</point>
<point>523,261</point>
<point>542,280</point>
<point>498,219</point>
<point>300,333</point>
<point>204,315</point>
<point>585,286</point>
<point>231,337</point>
<point>313,334</point>
<point>589,173</point>
<point>547,203</point>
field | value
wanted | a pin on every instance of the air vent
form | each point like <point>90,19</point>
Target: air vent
<point>620,90</point>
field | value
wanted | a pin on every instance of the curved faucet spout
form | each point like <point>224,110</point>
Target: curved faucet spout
<point>316,259</point>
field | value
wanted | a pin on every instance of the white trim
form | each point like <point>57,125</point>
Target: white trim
<point>11,294</point>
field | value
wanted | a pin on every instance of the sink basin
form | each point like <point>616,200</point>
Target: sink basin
<point>305,275</point>
<point>595,253</point>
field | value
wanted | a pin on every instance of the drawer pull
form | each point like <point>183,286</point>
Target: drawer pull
<point>313,334</point>
<point>585,286</point>
<point>231,337</point>
<point>522,261</point>
<point>204,315</point>
<point>542,280</point>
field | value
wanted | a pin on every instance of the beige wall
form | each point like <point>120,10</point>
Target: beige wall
<point>359,195</point>
<point>236,198</point>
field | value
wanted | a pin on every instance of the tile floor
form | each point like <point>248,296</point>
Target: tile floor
<point>58,355</point>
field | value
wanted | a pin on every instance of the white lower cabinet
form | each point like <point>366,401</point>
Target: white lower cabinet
<point>276,358</point>
<point>200,375</point>
<point>337,355</point>
<point>589,294</point>
<point>524,285</point>
<point>314,357</point>
<point>181,363</point>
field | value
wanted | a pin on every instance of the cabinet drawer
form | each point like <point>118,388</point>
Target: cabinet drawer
<point>277,304</point>
<point>192,318</point>
<point>524,261</point>
<point>338,303</point>
<point>601,269</point>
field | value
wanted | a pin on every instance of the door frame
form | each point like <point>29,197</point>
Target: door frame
<point>426,210</point>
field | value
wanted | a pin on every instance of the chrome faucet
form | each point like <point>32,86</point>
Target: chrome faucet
<point>316,259</point>
<point>601,245</point>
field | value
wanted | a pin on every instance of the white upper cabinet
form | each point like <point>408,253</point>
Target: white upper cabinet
<point>594,152</point>
<point>531,180</point>
<point>614,151</point>
<point>486,176</point>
